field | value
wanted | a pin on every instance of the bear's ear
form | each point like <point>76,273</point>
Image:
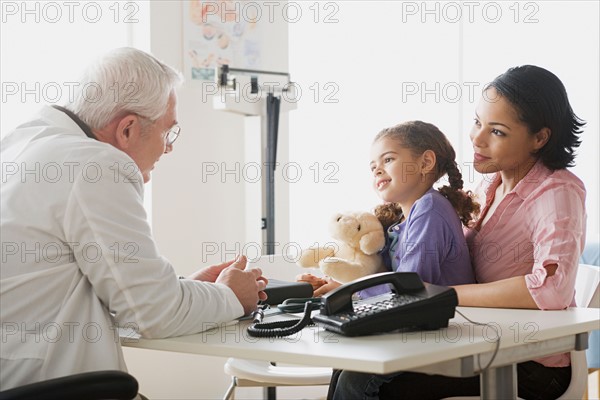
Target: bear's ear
<point>336,217</point>
<point>372,242</point>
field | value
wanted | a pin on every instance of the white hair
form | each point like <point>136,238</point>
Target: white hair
<point>124,81</point>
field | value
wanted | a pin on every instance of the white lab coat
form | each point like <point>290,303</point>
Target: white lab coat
<point>79,260</point>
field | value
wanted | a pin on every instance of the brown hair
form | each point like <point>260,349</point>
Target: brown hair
<point>418,137</point>
<point>388,214</point>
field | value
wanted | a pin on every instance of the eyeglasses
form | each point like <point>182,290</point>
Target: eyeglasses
<point>173,134</point>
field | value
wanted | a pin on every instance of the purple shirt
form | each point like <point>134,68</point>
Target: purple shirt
<point>431,243</point>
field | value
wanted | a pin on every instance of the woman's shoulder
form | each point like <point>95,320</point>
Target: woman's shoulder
<point>564,176</point>
<point>558,192</point>
<point>554,182</point>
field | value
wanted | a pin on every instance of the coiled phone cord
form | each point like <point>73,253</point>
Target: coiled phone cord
<point>282,328</point>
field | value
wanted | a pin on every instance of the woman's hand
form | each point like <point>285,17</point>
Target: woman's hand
<point>320,285</point>
<point>315,281</point>
<point>326,288</point>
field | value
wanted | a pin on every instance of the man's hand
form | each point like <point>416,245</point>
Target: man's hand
<point>210,273</point>
<point>247,284</point>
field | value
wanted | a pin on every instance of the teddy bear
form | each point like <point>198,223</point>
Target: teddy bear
<point>359,236</point>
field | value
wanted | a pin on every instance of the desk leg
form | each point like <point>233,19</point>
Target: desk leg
<point>270,393</point>
<point>499,383</point>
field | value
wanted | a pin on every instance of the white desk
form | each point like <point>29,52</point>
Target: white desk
<point>459,350</point>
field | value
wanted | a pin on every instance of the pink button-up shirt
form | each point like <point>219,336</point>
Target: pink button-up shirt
<point>540,222</point>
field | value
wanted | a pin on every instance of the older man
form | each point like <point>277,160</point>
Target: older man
<point>78,256</point>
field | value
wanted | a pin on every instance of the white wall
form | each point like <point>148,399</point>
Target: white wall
<point>199,219</point>
<point>556,42</point>
<point>44,50</point>
<point>360,66</point>
<point>366,56</point>
<point>358,57</point>
<point>194,210</point>
<point>374,53</point>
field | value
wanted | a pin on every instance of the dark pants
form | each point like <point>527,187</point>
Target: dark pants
<point>535,381</point>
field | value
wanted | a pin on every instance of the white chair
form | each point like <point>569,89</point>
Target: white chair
<point>245,373</point>
<point>252,373</point>
<point>587,294</point>
<point>589,277</point>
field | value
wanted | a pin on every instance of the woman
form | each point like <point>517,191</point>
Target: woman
<point>530,233</point>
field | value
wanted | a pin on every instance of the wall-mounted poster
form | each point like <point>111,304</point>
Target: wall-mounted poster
<point>220,32</point>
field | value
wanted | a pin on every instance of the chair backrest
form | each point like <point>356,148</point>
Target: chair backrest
<point>587,286</point>
<point>587,294</point>
<point>95,385</point>
<point>282,267</point>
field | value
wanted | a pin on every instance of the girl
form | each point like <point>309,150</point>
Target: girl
<point>427,238</point>
<point>407,160</point>
<point>423,224</point>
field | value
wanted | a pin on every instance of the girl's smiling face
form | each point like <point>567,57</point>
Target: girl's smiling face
<point>396,170</point>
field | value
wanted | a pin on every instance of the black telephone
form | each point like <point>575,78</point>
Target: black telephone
<point>410,305</point>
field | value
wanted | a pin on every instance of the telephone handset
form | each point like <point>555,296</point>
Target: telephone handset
<point>411,305</point>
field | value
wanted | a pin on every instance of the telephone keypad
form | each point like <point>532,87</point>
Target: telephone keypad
<point>362,309</point>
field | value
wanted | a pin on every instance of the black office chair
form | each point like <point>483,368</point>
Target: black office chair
<point>97,385</point>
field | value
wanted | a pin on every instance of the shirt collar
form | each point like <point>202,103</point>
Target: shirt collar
<point>84,127</point>
<point>528,184</point>
<point>532,180</point>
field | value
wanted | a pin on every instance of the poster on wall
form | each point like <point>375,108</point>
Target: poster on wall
<point>220,32</point>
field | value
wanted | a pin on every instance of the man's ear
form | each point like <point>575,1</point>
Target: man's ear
<point>428,160</point>
<point>128,130</point>
<point>541,138</point>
